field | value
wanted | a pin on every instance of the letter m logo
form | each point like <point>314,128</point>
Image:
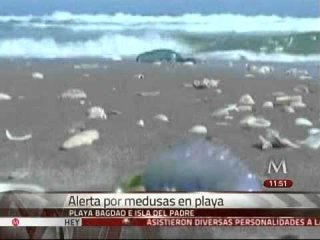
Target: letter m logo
<point>277,166</point>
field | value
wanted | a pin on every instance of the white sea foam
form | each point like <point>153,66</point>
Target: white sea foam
<point>188,22</point>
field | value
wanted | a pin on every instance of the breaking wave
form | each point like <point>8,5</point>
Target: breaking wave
<point>67,35</point>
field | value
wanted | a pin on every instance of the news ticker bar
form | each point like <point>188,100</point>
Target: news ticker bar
<point>197,200</point>
<point>156,222</point>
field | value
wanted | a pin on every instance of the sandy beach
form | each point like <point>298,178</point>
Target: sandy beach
<point>124,148</point>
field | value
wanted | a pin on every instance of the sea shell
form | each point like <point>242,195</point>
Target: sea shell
<point>198,129</point>
<point>303,122</point>
<point>17,138</point>
<point>161,117</point>
<point>222,112</point>
<point>312,141</point>
<point>278,141</point>
<point>84,138</point>
<point>5,97</point>
<point>140,123</point>
<point>267,105</point>
<point>96,112</point>
<point>74,94</point>
<point>255,122</point>
<point>288,109</point>
<point>247,99</point>
<point>37,75</point>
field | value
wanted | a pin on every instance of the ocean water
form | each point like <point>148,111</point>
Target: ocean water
<point>219,35</point>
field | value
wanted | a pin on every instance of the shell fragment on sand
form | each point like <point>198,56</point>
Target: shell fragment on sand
<point>149,94</point>
<point>263,70</point>
<point>247,99</point>
<point>265,144</point>
<point>5,97</point>
<point>222,112</point>
<point>301,89</point>
<point>273,137</point>
<point>255,122</point>
<point>17,138</point>
<point>267,105</point>
<point>37,75</point>
<point>303,122</point>
<point>161,117</point>
<point>312,141</point>
<point>298,105</point>
<point>84,138</point>
<point>205,83</point>
<point>288,109</point>
<point>10,187</point>
<point>199,129</point>
<point>140,123</point>
<point>74,94</point>
<point>287,100</point>
<point>245,108</point>
<point>96,112</point>
<point>313,131</point>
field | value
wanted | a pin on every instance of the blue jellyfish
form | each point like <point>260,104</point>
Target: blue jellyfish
<point>198,164</point>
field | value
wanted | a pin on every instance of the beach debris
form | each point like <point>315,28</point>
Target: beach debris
<point>205,83</point>
<point>298,105</point>
<point>74,94</point>
<point>163,55</point>
<point>288,109</point>
<point>312,141</point>
<point>218,91</point>
<point>139,76</point>
<point>86,66</point>
<point>114,113</point>
<point>5,97</point>
<point>140,123</point>
<point>96,112</point>
<point>295,72</point>
<point>37,75</point>
<point>259,69</point>
<point>249,75</point>
<point>303,122</point>
<point>148,94</point>
<point>84,138</point>
<point>278,141</point>
<point>188,63</point>
<point>11,187</point>
<point>267,105</point>
<point>255,122</point>
<point>265,144</point>
<point>287,99</point>
<point>161,117</point>
<point>301,89</point>
<point>222,112</point>
<point>305,77</point>
<point>17,138</point>
<point>278,94</point>
<point>247,99</point>
<point>313,131</point>
<point>245,108</point>
<point>199,129</point>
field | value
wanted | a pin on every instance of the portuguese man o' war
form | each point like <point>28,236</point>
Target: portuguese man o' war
<point>198,164</point>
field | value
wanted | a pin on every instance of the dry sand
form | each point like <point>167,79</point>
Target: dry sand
<point>125,148</point>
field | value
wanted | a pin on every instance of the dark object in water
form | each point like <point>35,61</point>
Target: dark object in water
<point>163,55</point>
<point>198,164</point>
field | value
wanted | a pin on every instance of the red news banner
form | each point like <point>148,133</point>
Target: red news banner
<point>169,209</point>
